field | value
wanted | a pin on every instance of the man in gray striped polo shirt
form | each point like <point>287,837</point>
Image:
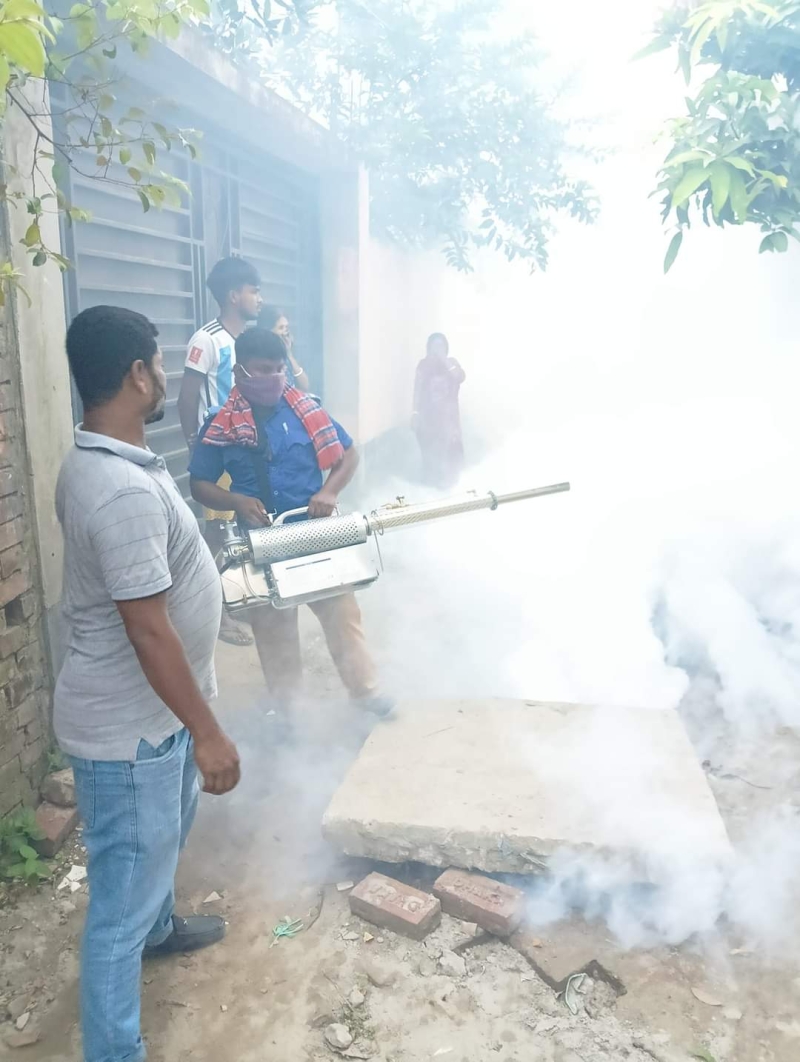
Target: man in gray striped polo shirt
<point>142,602</point>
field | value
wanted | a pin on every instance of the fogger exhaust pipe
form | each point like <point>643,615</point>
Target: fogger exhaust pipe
<point>392,518</point>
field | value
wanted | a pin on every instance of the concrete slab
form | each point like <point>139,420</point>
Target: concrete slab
<point>501,785</point>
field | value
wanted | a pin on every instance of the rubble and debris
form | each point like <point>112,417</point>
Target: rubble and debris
<point>286,929</point>
<point>495,907</point>
<point>394,905</point>
<point>74,878</point>
<point>360,1050</point>
<point>705,997</point>
<point>377,975</point>
<point>732,1014</point>
<point>26,1038</point>
<point>17,1007</point>
<point>593,969</point>
<point>452,965</point>
<point>345,886</point>
<point>59,789</point>
<point>657,1052</point>
<point>356,998</point>
<point>56,824</point>
<point>426,967</point>
<point>23,1020</point>
<point>338,1036</point>
<point>213,897</point>
<point>573,986</point>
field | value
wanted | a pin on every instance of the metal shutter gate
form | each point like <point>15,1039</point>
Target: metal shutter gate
<point>156,262</point>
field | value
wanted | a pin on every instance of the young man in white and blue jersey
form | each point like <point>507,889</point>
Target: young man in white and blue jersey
<point>208,378</point>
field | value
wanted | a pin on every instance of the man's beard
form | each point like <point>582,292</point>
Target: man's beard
<point>160,402</point>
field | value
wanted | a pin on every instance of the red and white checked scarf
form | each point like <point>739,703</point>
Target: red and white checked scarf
<point>235,425</point>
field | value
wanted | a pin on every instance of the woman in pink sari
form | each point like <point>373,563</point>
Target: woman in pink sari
<point>436,419</point>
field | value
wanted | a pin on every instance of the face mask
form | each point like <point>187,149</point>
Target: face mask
<point>262,390</point>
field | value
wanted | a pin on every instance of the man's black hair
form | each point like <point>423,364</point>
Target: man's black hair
<point>269,316</point>
<point>259,343</point>
<point>103,342</point>
<point>231,274</point>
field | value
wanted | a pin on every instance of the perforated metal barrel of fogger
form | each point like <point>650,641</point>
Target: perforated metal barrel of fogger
<point>305,537</point>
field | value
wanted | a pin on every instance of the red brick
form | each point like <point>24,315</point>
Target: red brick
<point>26,712</point>
<point>57,824</point>
<point>392,905</point>
<point>8,482</point>
<point>7,396</point>
<point>14,587</point>
<point>11,534</point>
<point>13,640</point>
<point>13,559</point>
<point>495,907</point>
<point>10,508</point>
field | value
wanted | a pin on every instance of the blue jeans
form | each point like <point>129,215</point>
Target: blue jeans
<point>136,818</point>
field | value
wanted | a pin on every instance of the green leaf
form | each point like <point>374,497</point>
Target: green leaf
<point>720,186</point>
<point>14,9</point>
<point>672,251</point>
<point>22,45</point>
<point>145,201</point>
<point>703,1054</point>
<point>698,155</point>
<point>124,156</point>
<point>27,852</point>
<point>767,244</point>
<point>15,870</point>
<point>684,63</point>
<point>40,258</point>
<point>134,174</point>
<point>741,164</point>
<point>149,149</point>
<point>5,74</point>
<point>699,42</point>
<point>32,236</point>
<point>659,44</point>
<point>780,242</point>
<point>738,197</point>
<point>688,185</point>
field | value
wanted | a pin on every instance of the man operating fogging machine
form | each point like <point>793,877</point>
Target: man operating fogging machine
<point>283,452</point>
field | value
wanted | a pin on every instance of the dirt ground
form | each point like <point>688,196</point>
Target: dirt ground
<point>251,1001</point>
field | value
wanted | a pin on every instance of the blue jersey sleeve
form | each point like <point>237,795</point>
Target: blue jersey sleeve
<point>344,438</point>
<point>207,462</point>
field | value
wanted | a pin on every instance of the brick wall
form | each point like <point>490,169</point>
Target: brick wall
<point>25,680</point>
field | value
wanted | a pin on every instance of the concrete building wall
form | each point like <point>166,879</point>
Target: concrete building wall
<point>401,295</point>
<point>25,678</point>
<point>45,395</point>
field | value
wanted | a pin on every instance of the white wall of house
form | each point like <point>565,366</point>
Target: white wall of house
<point>401,298</point>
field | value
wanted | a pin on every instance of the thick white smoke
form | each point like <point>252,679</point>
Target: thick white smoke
<point>671,575</point>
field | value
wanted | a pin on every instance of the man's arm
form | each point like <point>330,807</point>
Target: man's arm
<point>189,403</point>
<point>324,501</point>
<point>251,510</point>
<point>163,660</point>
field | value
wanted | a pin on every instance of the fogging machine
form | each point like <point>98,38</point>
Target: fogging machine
<point>294,562</point>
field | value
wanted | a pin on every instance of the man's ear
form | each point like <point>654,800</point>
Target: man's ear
<point>140,376</point>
